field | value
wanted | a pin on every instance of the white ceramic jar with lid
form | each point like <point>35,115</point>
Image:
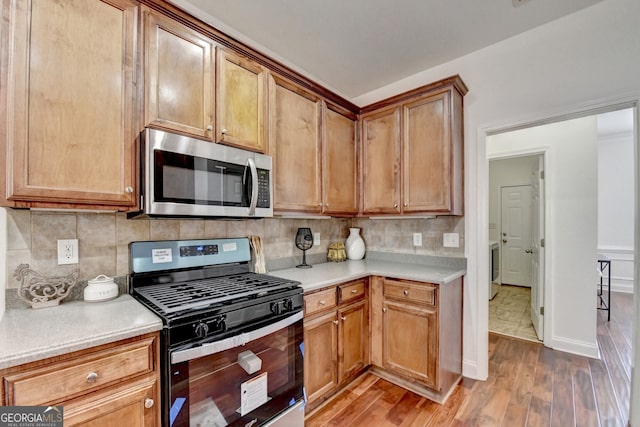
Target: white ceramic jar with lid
<point>101,288</point>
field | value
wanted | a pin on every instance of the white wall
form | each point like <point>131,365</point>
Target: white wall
<point>571,176</point>
<point>615,206</point>
<point>585,60</point>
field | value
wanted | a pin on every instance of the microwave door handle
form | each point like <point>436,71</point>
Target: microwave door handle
<point>254,186</point>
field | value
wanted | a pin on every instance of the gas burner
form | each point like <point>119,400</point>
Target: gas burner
<point>196,294</point>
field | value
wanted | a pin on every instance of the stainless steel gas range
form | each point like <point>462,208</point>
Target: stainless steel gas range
<point>232,341</point>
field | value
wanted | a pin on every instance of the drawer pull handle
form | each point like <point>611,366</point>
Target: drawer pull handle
<point>148,403</point>
<point>323,302</point>
<point>353,291</point>
<point>406,293</point>
<point>92,377</point>
<point>335,322</point>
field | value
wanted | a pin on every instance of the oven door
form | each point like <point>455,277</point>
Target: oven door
<point>252,379</point>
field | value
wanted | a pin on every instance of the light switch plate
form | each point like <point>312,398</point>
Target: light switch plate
<point>451,240</point>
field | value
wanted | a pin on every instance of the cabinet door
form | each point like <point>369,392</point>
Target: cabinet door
<point>178,77</point>
<point>240,101</point>
<point>132,405</point>
<point>381,162</point>
<point>320,355</point>
<point>295,147</point>
<point>69,102</point>
<point>427,154</point>
<point>353,340</point>
<point>410,340</point>
<point>339,162</point>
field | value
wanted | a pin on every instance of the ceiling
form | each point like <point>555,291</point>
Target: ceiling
<point>355,46</point>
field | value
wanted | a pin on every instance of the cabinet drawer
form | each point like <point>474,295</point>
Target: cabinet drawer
<point>82,373</point>
<point>351,291</point>
<point>319,301</point>
<point>423,293</point>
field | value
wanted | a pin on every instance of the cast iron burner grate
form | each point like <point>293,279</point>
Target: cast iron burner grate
<point>193,294</point>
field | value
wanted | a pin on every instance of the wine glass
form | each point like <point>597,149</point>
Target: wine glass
<point>304,241</point>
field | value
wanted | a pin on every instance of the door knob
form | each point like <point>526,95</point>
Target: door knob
<point>504,240</point>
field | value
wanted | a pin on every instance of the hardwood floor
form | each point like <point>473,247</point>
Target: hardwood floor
<point>528,385</point>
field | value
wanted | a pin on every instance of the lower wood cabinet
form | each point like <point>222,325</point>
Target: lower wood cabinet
<point>112,384</point>
<point>336,337</point>
<point>416,334</point>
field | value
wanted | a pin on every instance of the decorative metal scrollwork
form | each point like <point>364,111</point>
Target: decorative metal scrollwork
<point>40,291</point>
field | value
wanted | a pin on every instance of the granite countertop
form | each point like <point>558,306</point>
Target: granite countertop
<point>27,335</point>
<point>331,273</point>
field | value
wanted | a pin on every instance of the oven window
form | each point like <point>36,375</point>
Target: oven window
<point>193,180</point>
<point>216,390</point>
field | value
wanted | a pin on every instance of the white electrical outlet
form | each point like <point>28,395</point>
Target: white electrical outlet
<point>316,238</point>
<point>450,240</point>
<point>68,251</point>
<point>417,239</point>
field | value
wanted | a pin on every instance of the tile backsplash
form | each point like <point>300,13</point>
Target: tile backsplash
<point>103,238</point>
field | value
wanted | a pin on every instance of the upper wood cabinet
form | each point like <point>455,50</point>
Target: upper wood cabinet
<point>339,161</point>
<point>241,101</point>
<point>68,78</point>
<point>294,143</point>
<point>179,80</point>
<point>413,152</point>
<point>381,162</point>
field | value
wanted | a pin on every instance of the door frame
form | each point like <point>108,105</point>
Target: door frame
<point>545,278</point>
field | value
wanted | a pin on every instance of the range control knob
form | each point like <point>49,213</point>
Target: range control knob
<point>220,324</point>
<point>201,330</point>
<point>288,304</point>
<point>276,307</point>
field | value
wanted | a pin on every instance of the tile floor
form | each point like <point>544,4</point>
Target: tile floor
<point>510,313</point>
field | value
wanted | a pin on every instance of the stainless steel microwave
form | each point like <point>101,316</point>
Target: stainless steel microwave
<point>188,177</point>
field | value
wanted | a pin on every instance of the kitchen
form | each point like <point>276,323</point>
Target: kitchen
<point>487,90</point>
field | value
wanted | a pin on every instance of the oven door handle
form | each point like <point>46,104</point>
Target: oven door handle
<point>235,341</point>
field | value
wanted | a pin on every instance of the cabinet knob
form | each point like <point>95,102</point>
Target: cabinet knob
<point>353,291</point>
<point>223,131</point>
<point>92,377</point>
<point>148,403</point>
<point>210,128</point>
<point>128,190</point>
<point>405,293</point>
<point>335,322</point>
<point>323,302</point>
<point>406,204</point>
<point>343,318</point>
<point>384,310</point>
<point>395,205</point>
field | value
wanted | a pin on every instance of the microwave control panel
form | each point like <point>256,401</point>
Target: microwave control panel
<point>264,194</point>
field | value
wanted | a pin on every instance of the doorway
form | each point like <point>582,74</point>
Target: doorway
<point>516,213</point>
<point>576,218</point>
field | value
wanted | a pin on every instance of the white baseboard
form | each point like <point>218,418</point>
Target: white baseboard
<point>581,348</point>
<point>470,370</point>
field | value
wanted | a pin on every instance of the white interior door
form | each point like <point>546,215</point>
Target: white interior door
<point>515,236</point>
<point>537,249</point>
